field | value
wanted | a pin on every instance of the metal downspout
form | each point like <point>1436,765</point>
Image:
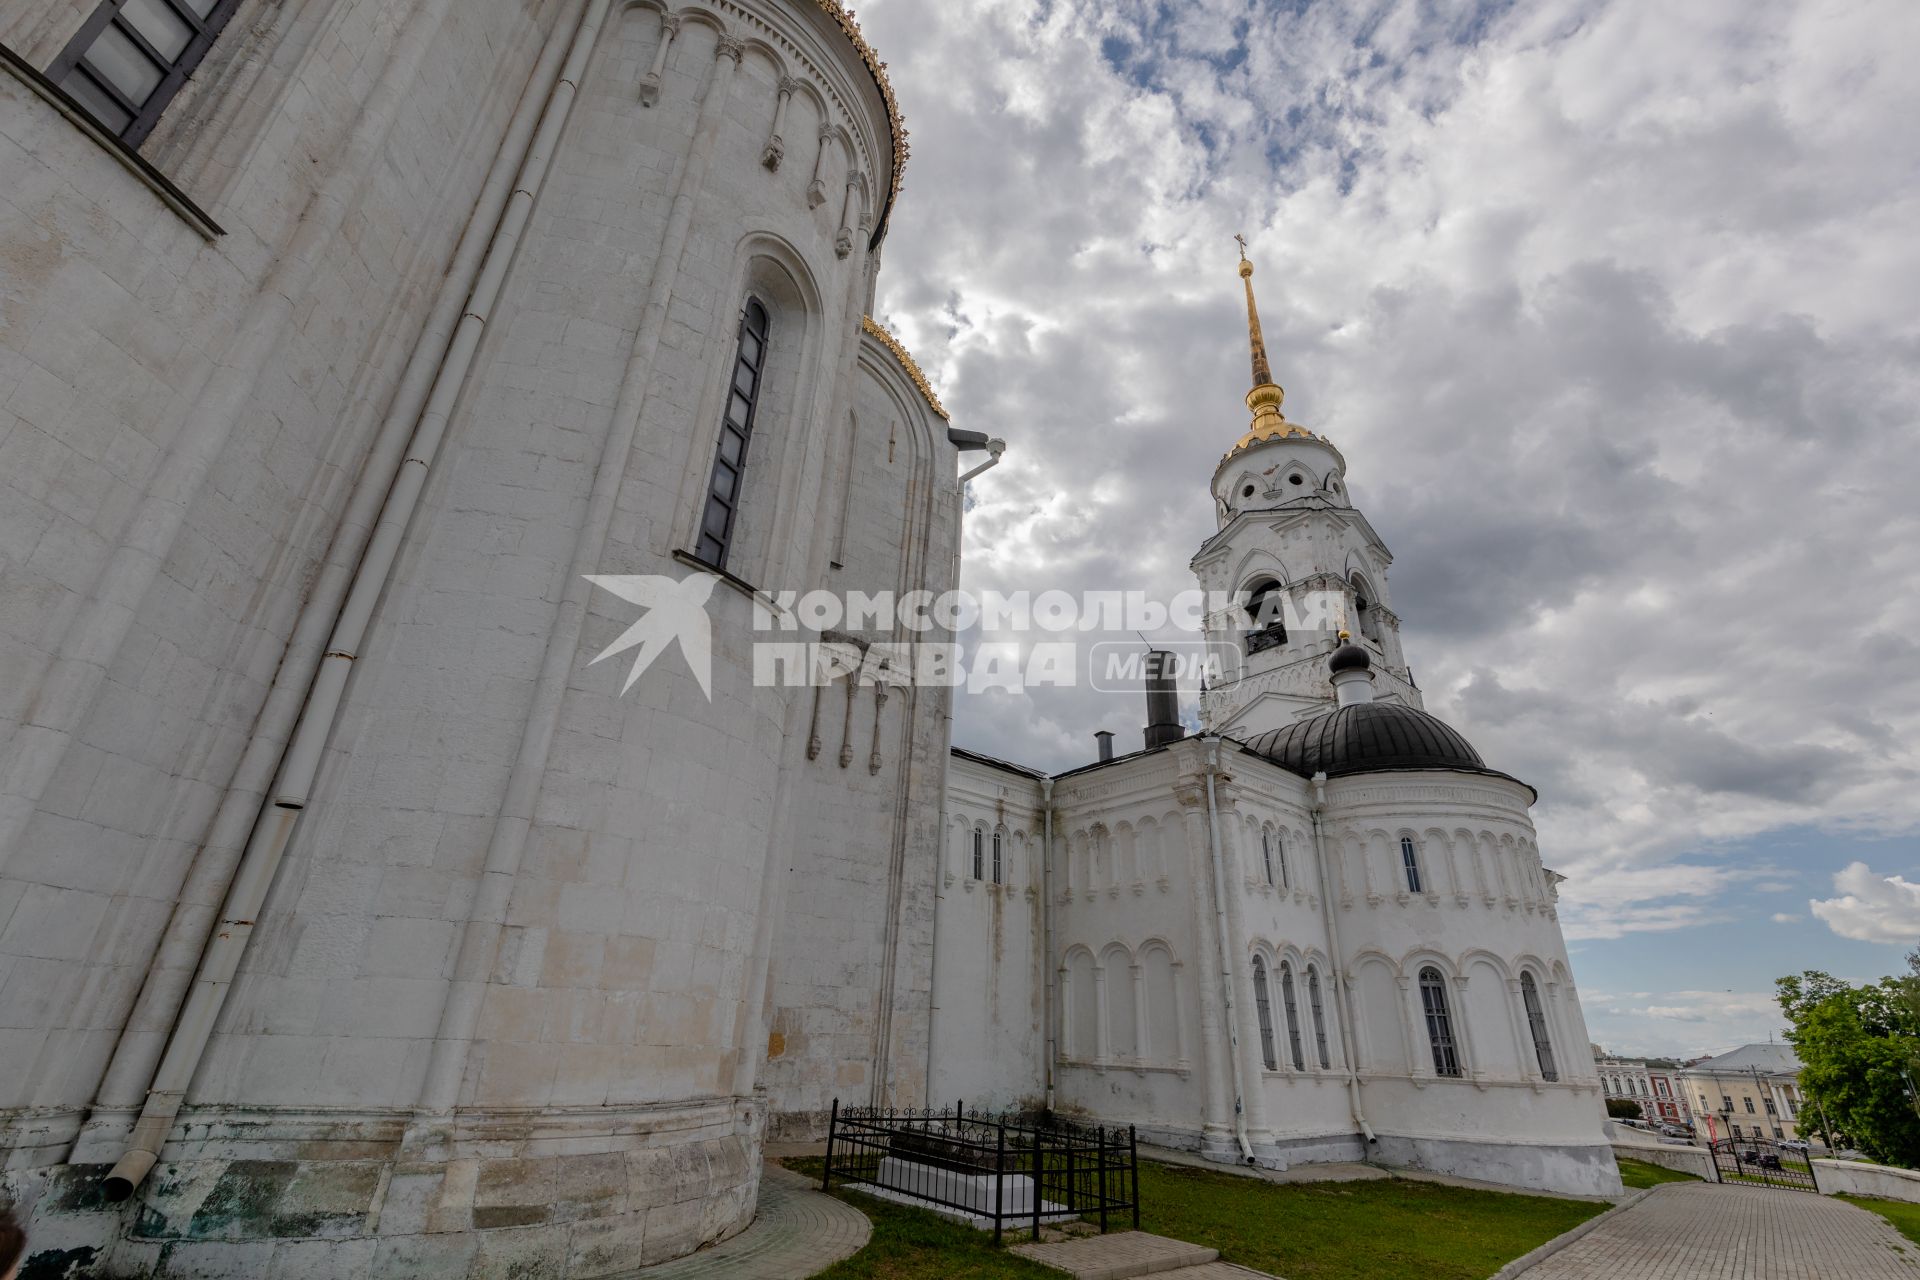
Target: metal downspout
<point>1226,955</point>
<point>1341,996</point>
<point>1051,1047</point>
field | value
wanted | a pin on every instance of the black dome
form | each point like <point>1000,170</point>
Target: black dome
<point>1349,657</point>
<point>1368,737</point>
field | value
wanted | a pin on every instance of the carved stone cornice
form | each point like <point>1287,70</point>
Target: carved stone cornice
<point>878,69</point>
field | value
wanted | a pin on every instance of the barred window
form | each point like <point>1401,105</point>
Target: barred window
<point>976,855</point>
<point>1292,1007</point>
<point>718,522</point>
<point>997,863</point>
<point>132,56</point>
<point>1266,853</point>
<point>1433,998</point>
<point>1537,1024</point>
<point>1319,1017</point>
<point>1280,862</point>
<point>1410,858</point>
<point>1265,1009</point>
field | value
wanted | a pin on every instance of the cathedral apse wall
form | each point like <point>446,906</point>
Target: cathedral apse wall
<point>505,1000</point>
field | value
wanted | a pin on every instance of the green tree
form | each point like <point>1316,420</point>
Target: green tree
<point>1624,1109</point>
<point>1857,1047</point>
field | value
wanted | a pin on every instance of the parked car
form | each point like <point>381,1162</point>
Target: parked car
<point>1675,1131</point>
<point>1795,1144</point>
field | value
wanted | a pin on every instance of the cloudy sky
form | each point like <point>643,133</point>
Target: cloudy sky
<point>1611,308</point>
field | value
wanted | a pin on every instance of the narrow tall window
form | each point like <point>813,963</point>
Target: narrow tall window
<point>132,56</point>
<point>976,855</point>
<point>1292,1006</point>
<point>720,519</point>
<point>1319,1017</point>
<point>1280,861</point>
<point>1266,853</point>
<point>1410,858</point>
<point>1264,1008</point>
<point>1433,998</point>
<point>998,864</point>
<point>1537,1024</point>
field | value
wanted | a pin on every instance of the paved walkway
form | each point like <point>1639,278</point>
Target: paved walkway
<point>1697,1232</point>
<point>797,1232</point>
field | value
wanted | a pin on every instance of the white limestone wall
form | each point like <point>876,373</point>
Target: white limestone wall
<point>988,995</point>
<point>1132,959</point>
<point>1486,915</point>
<point>598,1107</point>
<point>852,973</point>
<point>149,602</point>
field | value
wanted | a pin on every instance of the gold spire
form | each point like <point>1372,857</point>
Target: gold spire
<point>1267,395</point>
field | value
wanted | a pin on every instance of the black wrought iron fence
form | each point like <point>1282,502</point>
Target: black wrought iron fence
<point>1000,1169</point>
<point>1756,1162</point>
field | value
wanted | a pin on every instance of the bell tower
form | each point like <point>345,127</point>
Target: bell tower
<point>1301,562</point>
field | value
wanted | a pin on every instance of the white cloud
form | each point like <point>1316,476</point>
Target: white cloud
<point>1606,302</point>
<point>1786,917</point>
<point>1872,907</point>
<point>1682,1024</point>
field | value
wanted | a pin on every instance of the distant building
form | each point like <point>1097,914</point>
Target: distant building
<point>1751,1092</point>
<point>1652,1084</point>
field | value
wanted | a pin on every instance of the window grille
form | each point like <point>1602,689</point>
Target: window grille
<point>1265,1010</point>
<point>1293,1017</point>
<point>1537,1024</point>
<point>132,56</point>
<point>1433,998</point>
<point>998,864</point>
<point>976,855</point>
<point>1266,853</point>
<point>720,521</point>
<point>1319,1018</point>
<point>1410,858</point>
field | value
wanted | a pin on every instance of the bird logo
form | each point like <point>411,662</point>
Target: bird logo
<point>676,611</point>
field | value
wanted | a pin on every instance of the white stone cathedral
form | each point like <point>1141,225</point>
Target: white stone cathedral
<point>1320,930</point>
<point>355,921</point>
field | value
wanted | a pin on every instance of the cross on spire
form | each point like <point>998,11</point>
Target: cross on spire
<point>1242,242</point>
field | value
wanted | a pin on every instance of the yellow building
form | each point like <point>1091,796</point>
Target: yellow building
<point>1752,1092</point>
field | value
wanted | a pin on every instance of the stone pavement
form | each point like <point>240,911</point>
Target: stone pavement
<point>1698,1232</point>
<point>796,1233</point>
<point>1125,1254</point>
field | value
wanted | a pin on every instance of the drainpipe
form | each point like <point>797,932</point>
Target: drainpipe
<point>1226,955</point>
<point>996,448</point>
<point>1338,976</point>
<point>1046,936</point>
<point>301,765</point>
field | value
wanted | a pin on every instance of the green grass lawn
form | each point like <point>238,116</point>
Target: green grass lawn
<point>1904,1217</point>
<point>1639,1175</point>
<point>1303,1231</point>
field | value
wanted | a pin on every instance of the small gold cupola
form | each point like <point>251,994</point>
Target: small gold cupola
<point>1267,395</point>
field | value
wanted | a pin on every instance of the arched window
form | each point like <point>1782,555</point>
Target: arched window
<point>976,855</point>
<point>998,863</point>
<point>1264,1008</point>
<point>1267,607</point>
<point>1433,998</point>
<point>1292,1007</point>
<point>1279,861</point>
<point>1410,859</point>
<point>1537,1024</point>
<point>719,520</point>
<point>1266,853</point>
<point>1319,1017</point>
<point>132,56</point>
<point>1365,610</point>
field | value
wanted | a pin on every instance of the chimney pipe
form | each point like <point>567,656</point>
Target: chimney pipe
<point>1105,739</point>
<point>1163,700</point>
